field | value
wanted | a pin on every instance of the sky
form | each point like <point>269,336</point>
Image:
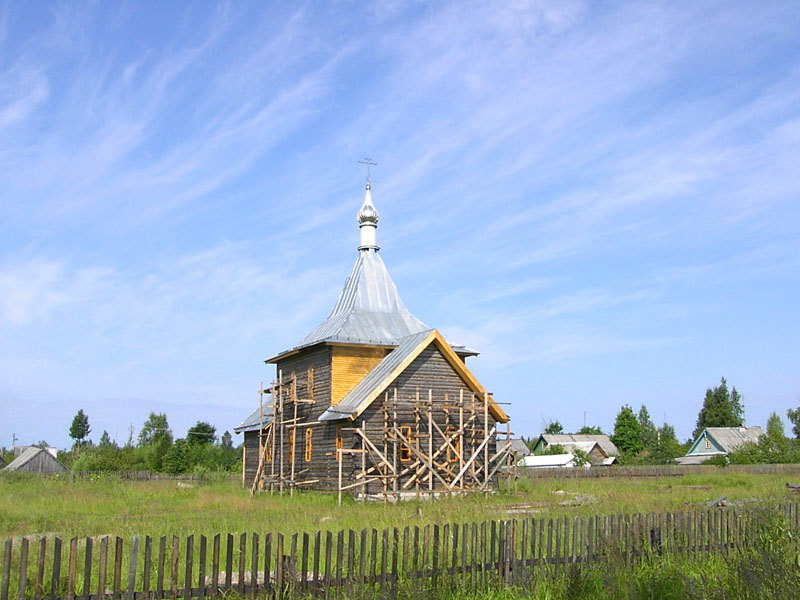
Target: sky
<point>603,198</point>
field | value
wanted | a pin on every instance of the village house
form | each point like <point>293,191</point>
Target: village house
<point>718,441</point>
<point>599,448</point>
<point>373,401</point>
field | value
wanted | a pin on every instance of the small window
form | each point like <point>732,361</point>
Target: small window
<point>708,444</point>
<point>405,450</point>
<point>309,435</point>
<point>453,456</point>
<point>310,384</point>
<point>339,442</point>
<point>268,452</point>
<point>293,387</point>
<point>291,445</point>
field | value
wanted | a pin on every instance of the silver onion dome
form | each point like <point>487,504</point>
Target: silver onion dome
<point>368,212</point>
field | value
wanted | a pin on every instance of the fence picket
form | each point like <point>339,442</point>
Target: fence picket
<point>303,563</point>
<point>384,552</point>
<point>201,568</point>
<point>162,554</point>
<point>328,547</point>
<point>267,562</point>
<point>87,568</point>
<point>73,560</point>
<point>351,560</point>
<point>173,567</point>
<point>394,574</point>
<point>473,558</point>
<point>187,579</point>
<point>214,567</point>
<point>148,557</point>
<point>228,561</point>
<point>23,568</point>
<point>292,571</point>
<point>9,546</point>
<point>242,556</point>
<point>102,569</point>
<point>445,553</point>
<point>426,533</point>
<point>39,582</point>
<point>279,564</point>
<point>55,577</point>
<point>254,565</point>
<point>315,574</point>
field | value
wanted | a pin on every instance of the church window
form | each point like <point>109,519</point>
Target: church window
<point>291,445</point>
<point>268,452</point>
<point>405,449</point>
<point>310,384</point>
<point>309,435</point>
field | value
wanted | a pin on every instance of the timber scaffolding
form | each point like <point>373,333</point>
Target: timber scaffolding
<point>402,459</point>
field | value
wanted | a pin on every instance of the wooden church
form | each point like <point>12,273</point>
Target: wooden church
<point>373,402</point>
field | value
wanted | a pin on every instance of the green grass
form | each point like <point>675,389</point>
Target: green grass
<point>36,506</point>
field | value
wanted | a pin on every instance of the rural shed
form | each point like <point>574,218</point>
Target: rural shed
<point>36,460</point>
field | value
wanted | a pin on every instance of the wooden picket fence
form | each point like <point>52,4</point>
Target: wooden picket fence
<point>628,471</point>
<point>352,563</point>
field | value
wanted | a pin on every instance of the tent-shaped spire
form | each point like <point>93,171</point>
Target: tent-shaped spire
<point>369,309</point>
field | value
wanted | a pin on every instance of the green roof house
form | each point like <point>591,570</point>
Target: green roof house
<point>718,441</point>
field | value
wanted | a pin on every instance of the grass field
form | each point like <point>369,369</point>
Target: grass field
<point>34,506</point>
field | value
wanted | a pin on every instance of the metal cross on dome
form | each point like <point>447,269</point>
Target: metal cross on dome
<point>368,161</point>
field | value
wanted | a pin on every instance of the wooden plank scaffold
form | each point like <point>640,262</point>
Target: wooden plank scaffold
<point>453,452</point>
<point>280,435</point>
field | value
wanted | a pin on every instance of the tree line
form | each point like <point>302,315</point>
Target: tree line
<point>154,449</point>
<point>641,442</point>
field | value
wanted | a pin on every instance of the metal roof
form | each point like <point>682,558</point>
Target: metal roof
<point>254,420</point>
<point>563,439</point>
<point>350,403</point>
<point>730,438</point>
<point>369,309</point>
<point>29,454</point>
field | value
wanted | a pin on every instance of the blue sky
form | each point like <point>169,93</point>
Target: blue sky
<point>603,198</point>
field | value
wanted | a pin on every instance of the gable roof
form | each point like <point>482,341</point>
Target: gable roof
<point>727,439</point>
<point>29,454</point>
<point>392,365</point>
<point>570,439</point>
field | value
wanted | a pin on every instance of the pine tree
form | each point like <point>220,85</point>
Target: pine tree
<point>721,408</point>
<point>627,432</point>
<point>80,429</point>
<point>647,428</point>
<point>105,440</point>
<point>667,447</point>
<point>226,441</point>
<point>794,417</point>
